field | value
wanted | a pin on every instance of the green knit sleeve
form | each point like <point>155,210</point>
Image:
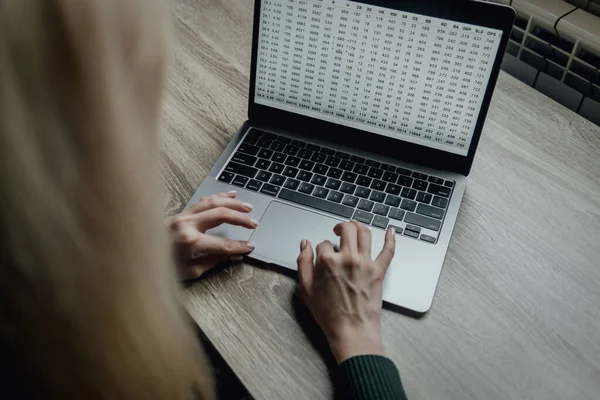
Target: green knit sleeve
<point>370,377</point>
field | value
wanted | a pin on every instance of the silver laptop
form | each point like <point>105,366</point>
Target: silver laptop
<point>365,110</point>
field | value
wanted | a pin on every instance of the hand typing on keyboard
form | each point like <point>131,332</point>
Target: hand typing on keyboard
<point>343,289</point>
<point>198,252</point>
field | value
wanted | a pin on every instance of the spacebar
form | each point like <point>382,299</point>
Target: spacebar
<point>313,202</point>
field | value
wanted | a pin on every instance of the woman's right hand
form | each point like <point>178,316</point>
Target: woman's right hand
<point>344,289</point>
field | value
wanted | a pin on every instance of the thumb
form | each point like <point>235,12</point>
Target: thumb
<point>306,267</point>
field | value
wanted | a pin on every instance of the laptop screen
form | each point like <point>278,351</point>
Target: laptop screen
<point>403,75</point>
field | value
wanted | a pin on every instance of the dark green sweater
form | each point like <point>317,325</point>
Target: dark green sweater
<point>370,378</point>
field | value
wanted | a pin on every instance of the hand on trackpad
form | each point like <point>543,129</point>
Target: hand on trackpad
<point>283,227</point>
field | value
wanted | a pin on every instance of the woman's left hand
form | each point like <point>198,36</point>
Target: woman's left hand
<point>198,252</point>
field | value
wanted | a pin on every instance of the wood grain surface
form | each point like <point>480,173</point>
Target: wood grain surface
<point>517,311</point>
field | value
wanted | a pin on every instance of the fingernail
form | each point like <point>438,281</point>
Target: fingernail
<point>248,205</point>
<point>254,221</point>
<point>237,258</point>
<point>250,245</point>
<point>303,244</point>
<point>232,192</point>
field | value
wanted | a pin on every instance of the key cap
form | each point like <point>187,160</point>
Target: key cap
<point>396,214</point>
<point>393,189</point>
<point>327,152</point>
<point>277,168</point>
<point>319,180</point>
<point>252,136</point>
<point>405,181</point>
<point>278,157</point>
<point>429,211</point>
<point>423,197</point>
<point>347,165</point>
<point>419,184</point>
<point>254,185</point>
<point>290,172</point>
<point>372,163</point>
<point>351,201</point>
<point>320,169</point>
<point>397,229</point>
<point>390,177</point>
<point>226,177</point>
<point>292,161</point>
<point>347,188</point>
<point>319,157</point>
<point>332,161</point>
<point>439,190</point>
<point>298,143</point>
<point>333,184</point>
<point>411,234</point>
<point>437,181</point>
<point>388,167</point>
<point>357,159</point>
<point>408,205</point>
<point>423,221</point>
<point>244,159</point>
<point>439,202</point>
<point>269,135</point>
<point>263,164</point>
<point>380,222</point>
<point>241,169</point>
<point>363,181</point>
<point>305,154</point>
<point>320,192</point>
<point>342,155</point>
<point>265,153</point>
<point>365,205</point>
<point>334,173</point>
<point>349,177</point>
<point>380,209</point>
<point>305,176</point>
<point>409,193</point>
<point>412,228</point>
<point>375,173</point>
<point>284,139</point>
<point>291,150</point>
<point>336,197</point>
<point>277,180</point>
<point>248,149</point>
<point>306,165</point>
<point>404,171</point>
<point>277,146</point>
<point>392,200</point>
<point>312,147</point>
<point>420,176</point>
<point>378,197</point>
<point>264,142</point>
<point>306,188</point>
<point>363,192</point>
<point>271,190</point>
<point>378,185</point>
<point>363,216</point>
<point>291,184</point>
<point>264,176</point>
<point>449,184</point>
<point>361,169</point>
<point>427,238</point>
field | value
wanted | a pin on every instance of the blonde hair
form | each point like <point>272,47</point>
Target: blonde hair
<point>88,293</point>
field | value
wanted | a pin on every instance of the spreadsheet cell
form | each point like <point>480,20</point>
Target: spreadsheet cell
<point>403,75</point>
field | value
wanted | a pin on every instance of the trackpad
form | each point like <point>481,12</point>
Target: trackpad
<point>283,227</point>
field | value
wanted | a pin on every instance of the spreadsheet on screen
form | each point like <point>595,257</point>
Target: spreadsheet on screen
<point>407,76</point>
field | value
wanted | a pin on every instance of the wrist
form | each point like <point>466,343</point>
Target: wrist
<point>356,342</point>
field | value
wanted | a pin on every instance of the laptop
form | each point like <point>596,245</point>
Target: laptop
<point>365,110</point>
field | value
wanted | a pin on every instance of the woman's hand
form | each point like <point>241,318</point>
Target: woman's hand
<point>198,252</point>
<point>343,290</point>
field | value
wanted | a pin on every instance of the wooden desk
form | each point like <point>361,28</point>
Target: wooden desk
<point>517,311</point>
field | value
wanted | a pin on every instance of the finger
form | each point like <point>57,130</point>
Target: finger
<point>324,248</point>
<point>222,215</point>
<point>348,236</point>
<point>194,269</point>
<point>209,244</point>
<point>384,259</point>
<point>364,238</point>
<point>219,200</point>
<point>306,267</point>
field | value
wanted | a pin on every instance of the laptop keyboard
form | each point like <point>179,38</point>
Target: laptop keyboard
<point>345,185</point>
